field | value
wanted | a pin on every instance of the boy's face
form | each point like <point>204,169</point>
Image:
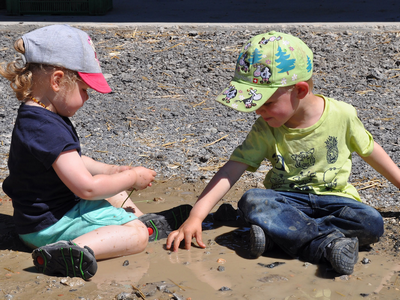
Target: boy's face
<point>280,108</point>
<point>72,99</point>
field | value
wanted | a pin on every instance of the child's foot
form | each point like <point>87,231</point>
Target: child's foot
<point>342,253</point>
<point>161,224</point>
<point>259,242</point>
<point>65,259</point>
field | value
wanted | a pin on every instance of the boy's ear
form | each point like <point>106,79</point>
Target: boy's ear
<point>55,80</point>
<point>302,89</point>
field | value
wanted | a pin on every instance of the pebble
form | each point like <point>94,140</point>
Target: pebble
<point>221,261</point>
<point>364,295</point>
<point>273,265</point>
<point>72,282</point>
<point>365,261</point>
<point>342,277</point>
<point>125,296</point>
<point>125,263</point>
<point>273,278</point>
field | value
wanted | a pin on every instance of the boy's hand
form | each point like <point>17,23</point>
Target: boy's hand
<point>144,177</point>
<point>191,228</point>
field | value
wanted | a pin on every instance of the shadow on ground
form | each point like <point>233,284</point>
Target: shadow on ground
<point>9,239</point>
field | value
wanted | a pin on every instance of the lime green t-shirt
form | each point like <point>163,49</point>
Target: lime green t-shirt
<point>316,159</point>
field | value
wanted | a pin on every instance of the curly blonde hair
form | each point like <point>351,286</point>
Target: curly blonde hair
<point>22,76</point>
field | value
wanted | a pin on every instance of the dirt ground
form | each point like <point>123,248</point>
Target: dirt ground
<point>221,271</point>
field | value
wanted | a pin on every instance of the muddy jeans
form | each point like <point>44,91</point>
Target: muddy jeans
<point>304,224</point>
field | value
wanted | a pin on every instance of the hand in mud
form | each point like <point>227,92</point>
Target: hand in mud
<point>144,177</point>
<point>191,228</point>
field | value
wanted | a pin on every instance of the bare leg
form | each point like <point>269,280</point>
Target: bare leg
<point>116,240</point>
<point>119,198</point>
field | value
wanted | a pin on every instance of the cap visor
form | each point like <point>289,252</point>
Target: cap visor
<point>245,97</point>
<point>96,81</point>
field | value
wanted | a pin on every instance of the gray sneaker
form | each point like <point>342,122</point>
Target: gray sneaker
<point>65,258</point>
<point>342,253</point>
<point>259,242</point>
<point>161,224</point>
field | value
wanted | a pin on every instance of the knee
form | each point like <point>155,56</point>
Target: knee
<point>143,237</point>
<point>246,202</point>
<point>257,204</point>
<point>254,198</point>
<point>254,194</point>
<point>139,237</point>
<point>372,217</point>
<point>373,223</point>
<point>376,221</point>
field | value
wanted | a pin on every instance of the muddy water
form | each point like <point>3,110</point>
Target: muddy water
<point>201,273</point>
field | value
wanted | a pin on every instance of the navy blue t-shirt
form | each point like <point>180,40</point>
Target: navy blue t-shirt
<point>38,195</point>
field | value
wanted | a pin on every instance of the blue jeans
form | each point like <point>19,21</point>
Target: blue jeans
<point>304,224</point>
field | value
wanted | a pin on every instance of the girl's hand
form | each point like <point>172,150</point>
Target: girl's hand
<point>144,177</point>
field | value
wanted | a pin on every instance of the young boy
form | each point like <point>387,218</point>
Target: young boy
<point>308,208</point>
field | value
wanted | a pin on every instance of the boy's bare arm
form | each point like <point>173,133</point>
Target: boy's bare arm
<point>219,185</point>
<point>382,163</point>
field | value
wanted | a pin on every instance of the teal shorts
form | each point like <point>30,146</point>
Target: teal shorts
<point>84,217</point>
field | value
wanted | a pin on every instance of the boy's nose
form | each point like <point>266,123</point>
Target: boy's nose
<point>259,110</point>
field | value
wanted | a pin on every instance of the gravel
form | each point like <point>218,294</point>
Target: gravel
<point>162,114</point>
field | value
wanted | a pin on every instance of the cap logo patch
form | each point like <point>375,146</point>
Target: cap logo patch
<point>94,49</point>
<point>248,102</point>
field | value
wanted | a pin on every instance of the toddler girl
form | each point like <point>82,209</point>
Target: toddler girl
<point>49,178</point>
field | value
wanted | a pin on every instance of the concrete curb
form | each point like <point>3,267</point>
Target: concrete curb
<point>384,26</point>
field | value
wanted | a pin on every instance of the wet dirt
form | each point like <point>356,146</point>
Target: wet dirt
<point>221,271</point>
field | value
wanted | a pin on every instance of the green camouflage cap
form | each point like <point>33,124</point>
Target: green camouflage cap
<point>266,62</point>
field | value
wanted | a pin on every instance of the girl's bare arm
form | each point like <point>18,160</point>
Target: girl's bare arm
<point>73,172</point>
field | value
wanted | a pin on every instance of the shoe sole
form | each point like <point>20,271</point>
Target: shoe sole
<point>163,223</point>
<point>68,260</point>
<point>345,256</point>
<point>257,241</point>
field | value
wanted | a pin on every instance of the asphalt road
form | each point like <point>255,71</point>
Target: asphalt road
<point>231,11</point>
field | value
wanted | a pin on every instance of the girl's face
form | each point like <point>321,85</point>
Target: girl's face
<point>279,109</point>
<point>70,99</point>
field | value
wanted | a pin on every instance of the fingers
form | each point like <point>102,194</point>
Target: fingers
<point>199,240</point>
<point>176,238</point>
<point>173,237</point>
<point>144,177</point>
<point>188,242</point>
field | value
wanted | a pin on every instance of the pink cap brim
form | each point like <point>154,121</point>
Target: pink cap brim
<point>96,81</point>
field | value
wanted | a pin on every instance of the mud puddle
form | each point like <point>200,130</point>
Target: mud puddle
<point>221,271</point>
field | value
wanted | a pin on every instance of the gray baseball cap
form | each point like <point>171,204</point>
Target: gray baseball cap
<point>68,47</point>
